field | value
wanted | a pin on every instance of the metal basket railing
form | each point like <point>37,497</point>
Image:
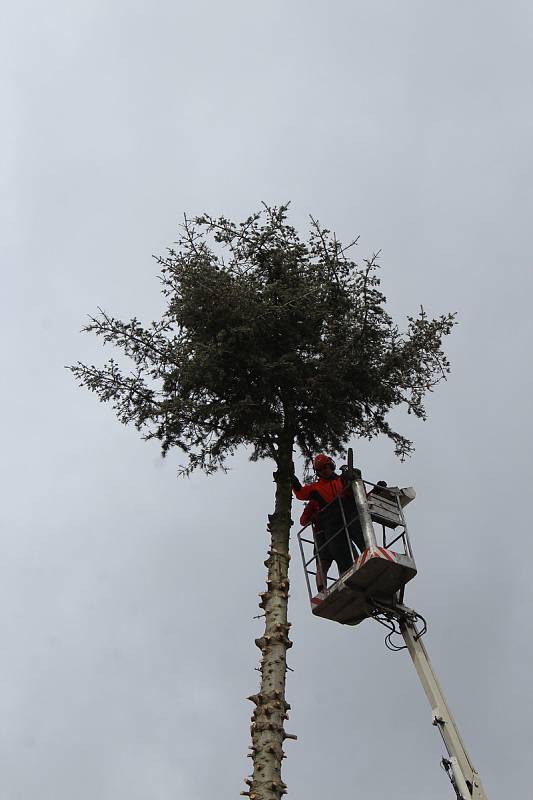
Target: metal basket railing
<point>386,513</point>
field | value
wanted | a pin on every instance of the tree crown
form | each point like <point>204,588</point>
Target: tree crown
<point>267,337</point>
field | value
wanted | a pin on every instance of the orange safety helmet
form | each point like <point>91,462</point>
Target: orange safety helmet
<point>321,460</point>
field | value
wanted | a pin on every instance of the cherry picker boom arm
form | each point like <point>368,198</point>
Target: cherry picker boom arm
<point>373,586</point>
<point>463,776</point>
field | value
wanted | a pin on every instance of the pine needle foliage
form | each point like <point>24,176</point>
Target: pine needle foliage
<point>264,332</point>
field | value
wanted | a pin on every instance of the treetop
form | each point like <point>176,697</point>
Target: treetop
<point>267,338</point>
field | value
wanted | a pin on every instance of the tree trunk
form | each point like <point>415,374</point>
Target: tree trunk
<point>271,708</point>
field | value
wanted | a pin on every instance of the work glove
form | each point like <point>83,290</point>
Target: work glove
<point>295,483</point>
<point>344,476</point>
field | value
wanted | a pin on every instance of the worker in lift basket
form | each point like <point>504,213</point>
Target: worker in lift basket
<point>325,496</point>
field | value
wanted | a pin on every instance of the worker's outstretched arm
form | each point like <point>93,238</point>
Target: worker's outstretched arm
<point>301,492</point>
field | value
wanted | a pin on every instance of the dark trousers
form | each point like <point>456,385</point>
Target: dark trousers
<point>333,537</point>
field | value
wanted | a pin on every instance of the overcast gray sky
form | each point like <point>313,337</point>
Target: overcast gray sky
<point>127,595</point>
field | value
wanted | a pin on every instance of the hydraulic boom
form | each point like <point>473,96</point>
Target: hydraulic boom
<point>373,587</point>
<point>461,772</point>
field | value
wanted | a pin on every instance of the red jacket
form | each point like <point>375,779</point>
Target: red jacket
<point>310,512</point>
<point>323,490</point>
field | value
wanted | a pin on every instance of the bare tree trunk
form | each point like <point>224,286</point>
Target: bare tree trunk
<point>271,708</point>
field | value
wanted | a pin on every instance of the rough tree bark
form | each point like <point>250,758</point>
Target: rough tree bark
<point>271,708</point>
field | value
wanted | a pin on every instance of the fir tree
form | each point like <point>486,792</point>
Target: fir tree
<point>276,343</point>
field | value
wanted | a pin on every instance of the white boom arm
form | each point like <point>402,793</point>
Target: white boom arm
<point>464,778</point>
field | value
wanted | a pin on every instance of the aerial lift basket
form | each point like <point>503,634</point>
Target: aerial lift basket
<point>380,571</point>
